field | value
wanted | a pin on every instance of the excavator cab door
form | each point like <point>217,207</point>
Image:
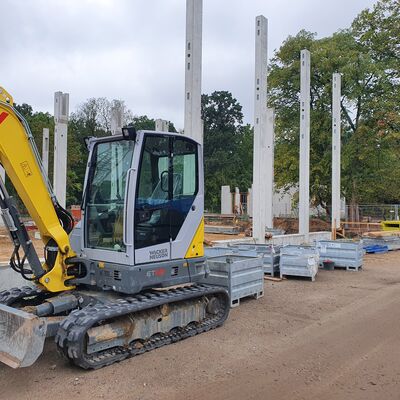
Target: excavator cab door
<point>167,186</point>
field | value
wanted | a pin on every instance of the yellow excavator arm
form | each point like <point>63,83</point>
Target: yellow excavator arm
<point>19,158</point>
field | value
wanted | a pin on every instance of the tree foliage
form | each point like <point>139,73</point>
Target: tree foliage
<point>228,146</point>
<point>369,106</point>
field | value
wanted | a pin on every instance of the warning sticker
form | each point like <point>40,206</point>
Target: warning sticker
<point>26,168</point>
<point>3,116</point>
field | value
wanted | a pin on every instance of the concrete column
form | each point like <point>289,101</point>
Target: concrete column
<point>226,200</point>
<point>237,200</point>
<point>45,150</point>
<point>249,203</point>
<point>61,109</point>
<point>336,149</point>
<point>117,116</point>
<point>304,179</point>
<point>193,60</point>
<point>343,208</point>
<point>260,168</point>
<point>268,164</point>
<point>162,125</point>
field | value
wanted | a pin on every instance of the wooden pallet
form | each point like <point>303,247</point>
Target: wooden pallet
<point>273,279</point>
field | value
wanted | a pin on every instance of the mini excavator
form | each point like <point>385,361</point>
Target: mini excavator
<point>127,278</point>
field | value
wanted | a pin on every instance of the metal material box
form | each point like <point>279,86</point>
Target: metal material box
<point>242,276</point>
<point>299,261</point>
<point>344,253</point>
<point>392,242</point>
<point>217,251</point>
<point>269,253</point>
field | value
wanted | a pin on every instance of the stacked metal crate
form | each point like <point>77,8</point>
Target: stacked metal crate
<point>299,261</point>
<point>217,251</point>
<point>241,275</point>
<point>344,253</point>
<point>269,253</point>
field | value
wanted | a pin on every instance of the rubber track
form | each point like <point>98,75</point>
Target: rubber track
<point>71,336</point>
<point>10,296</point>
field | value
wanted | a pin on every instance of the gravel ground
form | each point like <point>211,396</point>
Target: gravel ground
<point>336,338</point>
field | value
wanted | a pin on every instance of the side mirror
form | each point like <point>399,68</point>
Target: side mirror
<point>87,140</point>
<point>164,181</point>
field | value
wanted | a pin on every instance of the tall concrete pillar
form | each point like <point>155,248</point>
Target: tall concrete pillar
<point>304,179</point>
<point>162,125</point>
<point>226,200</point>
<point>336,148</point>
<point>117,116</point>
<point>237,200</point>
<point>45,150</point>
<point>193,60</point>
<point>269,167</point>
<point>61,109</point>
<point>261,153</point>
<point>249,203</point>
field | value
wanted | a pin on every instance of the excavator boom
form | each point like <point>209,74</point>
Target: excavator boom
<point>19,158</point>
<point>22,334</point>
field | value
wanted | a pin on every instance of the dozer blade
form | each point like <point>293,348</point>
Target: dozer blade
<point>22,337</point>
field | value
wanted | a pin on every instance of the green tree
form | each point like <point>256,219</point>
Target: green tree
<point>228,146</point>
<point>377,31</point>
<point>364,155</point>
<point>143,122</point>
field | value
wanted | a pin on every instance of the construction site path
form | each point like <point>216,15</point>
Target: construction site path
<point>336,338</point>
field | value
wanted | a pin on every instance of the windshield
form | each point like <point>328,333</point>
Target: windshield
<point>104,208</point>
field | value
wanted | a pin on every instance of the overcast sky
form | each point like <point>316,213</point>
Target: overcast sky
<point>134,49</point>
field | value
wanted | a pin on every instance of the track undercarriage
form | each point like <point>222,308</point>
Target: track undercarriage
<point>94,329</point>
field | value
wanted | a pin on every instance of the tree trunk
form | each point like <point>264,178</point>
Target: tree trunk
<point>354,211</point>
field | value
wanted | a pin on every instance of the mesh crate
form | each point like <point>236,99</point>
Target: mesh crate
<point>344,253</point>
<point>299,261</point>
<point>242,276</point>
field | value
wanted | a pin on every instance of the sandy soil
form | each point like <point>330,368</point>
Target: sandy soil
<point>336,338</point>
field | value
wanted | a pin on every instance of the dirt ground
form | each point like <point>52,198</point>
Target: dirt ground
<point>6,246</point>
<point>336,338</point>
